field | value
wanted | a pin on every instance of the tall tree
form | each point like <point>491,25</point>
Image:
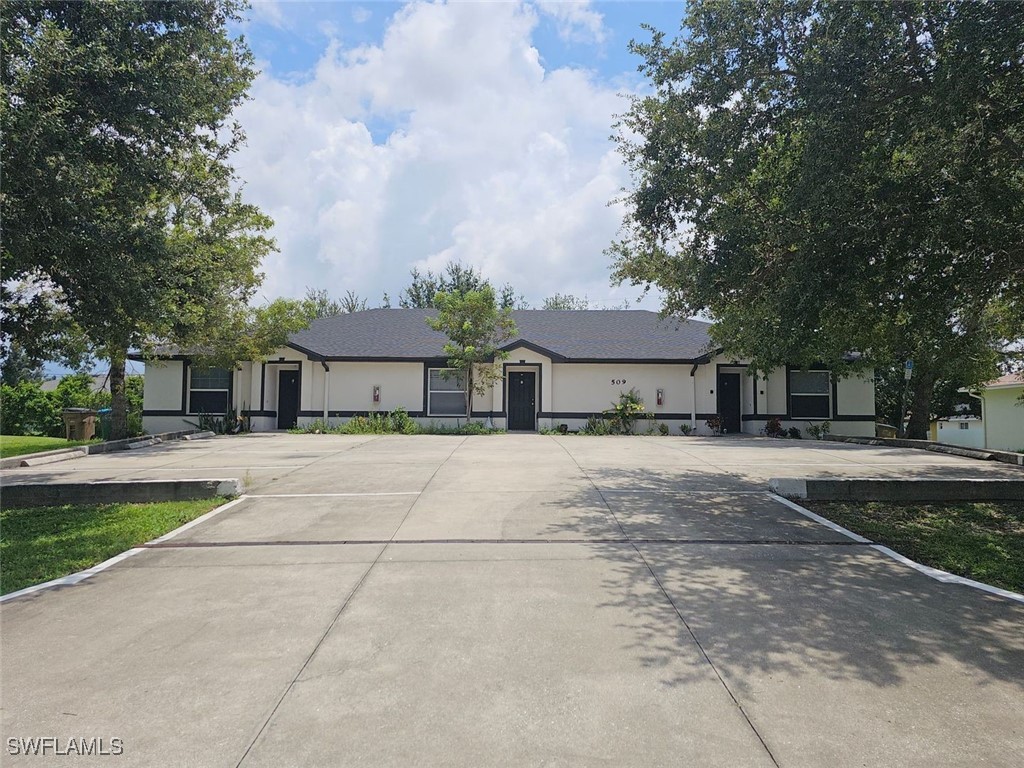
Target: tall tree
<point>318,303</point>
<point>566,301</point>
<point>476,328</point>
<point>455,278</point>
<point>823,176</point>
<point>16,367</point>
<point>117,193</point>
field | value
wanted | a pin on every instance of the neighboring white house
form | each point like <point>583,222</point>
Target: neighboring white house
<point>1002,412</point>
<point>966,431</point>
<point>564,367</point>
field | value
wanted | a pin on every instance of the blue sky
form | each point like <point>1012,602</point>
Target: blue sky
<point>388,136</point>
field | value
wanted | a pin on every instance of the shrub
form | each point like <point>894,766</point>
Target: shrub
<point>686,429</point>
<point>715,424</point>
<point>794,433</point>
<point>774,428</point>
<point>623,415</point>
<point>28,410</point>
<point>663,429</point>
<point>596,426</point>
<point>819,431</point>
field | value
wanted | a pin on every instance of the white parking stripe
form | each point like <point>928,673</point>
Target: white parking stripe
<point>935,573</point>
<point>327,495</point>
<point>74,578</point>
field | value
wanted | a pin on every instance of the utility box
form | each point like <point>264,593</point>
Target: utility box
<point>79,423</point>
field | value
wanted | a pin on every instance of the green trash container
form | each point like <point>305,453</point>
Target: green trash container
<point>104,414</point>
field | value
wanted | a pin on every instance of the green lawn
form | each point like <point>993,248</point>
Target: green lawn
<point>16,445</point>
<point>979,540</point>
<point>45,543</point>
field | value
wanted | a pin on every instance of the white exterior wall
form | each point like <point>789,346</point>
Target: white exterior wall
<point>585,388</point>
<point>568,393</point>
<point>1004,419</point>
<point>162,388</point>
<point>401,386</point>
<point>951,433</point>
<point>162,393</point>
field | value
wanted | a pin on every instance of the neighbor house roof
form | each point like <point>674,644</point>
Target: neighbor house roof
<point>1010,381</point>
<point>576,335</point>
<point>1005,382</point>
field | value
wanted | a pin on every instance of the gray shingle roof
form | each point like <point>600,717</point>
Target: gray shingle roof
<point>578,335</point>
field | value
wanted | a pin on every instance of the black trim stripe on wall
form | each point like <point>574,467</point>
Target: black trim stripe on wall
<point>600,414</point>
<point>351,414</point>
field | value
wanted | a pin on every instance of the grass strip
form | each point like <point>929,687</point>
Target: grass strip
<point>42,543</point>
<point>983,541</point>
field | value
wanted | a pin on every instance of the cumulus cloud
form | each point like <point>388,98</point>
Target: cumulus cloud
<point>447,140</point>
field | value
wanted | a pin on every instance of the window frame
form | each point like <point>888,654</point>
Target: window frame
<point>792,393</point>
<point>191,411</point>
<point>431,392</point>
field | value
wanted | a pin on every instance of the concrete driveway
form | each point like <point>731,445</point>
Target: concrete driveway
<point>514,600</point>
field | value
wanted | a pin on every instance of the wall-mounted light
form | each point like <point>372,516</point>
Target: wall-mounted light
<point>376,393</point>
<point>661,397</point>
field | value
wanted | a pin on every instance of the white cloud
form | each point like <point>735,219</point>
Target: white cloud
<point>448,140</point>
<point>576,21</point>
<point>361,15</point>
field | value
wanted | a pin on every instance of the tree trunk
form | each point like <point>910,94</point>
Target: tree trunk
<point>922,389</point>
<point>118,400</point>
<point>469,393</point>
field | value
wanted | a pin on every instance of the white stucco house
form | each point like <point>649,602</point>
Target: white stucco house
<point>564,367</point>
<point>1002,412</point>
<point>965,431</point>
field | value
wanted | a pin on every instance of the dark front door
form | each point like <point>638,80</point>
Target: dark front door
<point>287,399</point>
<point>522,400</point>
<point>729,401</point>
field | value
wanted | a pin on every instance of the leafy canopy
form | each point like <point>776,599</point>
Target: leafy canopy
<point>822,176</point>
<point>119,204</point>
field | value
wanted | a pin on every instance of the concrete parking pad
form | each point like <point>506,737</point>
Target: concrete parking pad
<point>515,600</point>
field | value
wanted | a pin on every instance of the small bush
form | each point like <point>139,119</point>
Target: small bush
<point>596,426</point>
<point>623,415</point>
<point>715,424</point>
<point>686,429</point>
<point>663,429</point>
<point>774,428</point>
<point>818,431</point>
<point>794,433</point>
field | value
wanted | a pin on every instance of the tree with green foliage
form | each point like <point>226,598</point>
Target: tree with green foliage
<point>455,278</point>
<point>318,303</point>
<point>17,367</point>
<point>821,177</point>
<point>476,328</point>
<point>118,199</point>
<point>566,301</point>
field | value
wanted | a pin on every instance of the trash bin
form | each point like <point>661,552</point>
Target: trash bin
<point>104,416</point>
<point>79,423</point>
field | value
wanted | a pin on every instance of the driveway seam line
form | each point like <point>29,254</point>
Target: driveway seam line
<point>679,615</point>
<point>337,616</point>
<point>419,494</point>
<point>312,653</point>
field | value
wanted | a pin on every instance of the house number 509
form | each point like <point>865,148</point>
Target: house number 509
<point>618,382</point>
